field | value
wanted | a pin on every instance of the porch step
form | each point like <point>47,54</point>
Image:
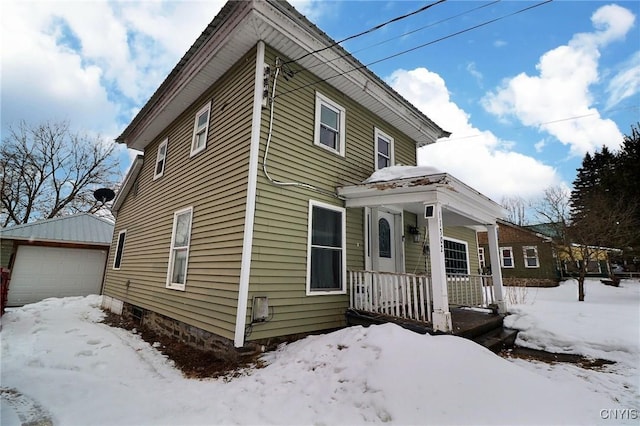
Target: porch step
<point>497,339</point>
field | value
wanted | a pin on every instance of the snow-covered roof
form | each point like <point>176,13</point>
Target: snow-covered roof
<point>80,228</point>
<point>401,172</point>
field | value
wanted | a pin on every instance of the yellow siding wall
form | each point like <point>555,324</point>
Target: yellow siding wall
<point>214,183</point>
<point>279,258</point>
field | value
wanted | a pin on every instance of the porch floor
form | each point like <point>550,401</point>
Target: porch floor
<point>466,322</point>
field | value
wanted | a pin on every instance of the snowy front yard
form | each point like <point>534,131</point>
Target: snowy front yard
<point>66,365</point>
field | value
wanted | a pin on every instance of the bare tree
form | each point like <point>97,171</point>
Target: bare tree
<point>516,208</point>
<point>585,240</point>
<point>46,170</point>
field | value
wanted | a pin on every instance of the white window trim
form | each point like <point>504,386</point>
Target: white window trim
<point>343,214</point>
<point>207,109</point>
<point>513,263</point>
<point>162,158</point>
<point>524,255</point>
<point>323,100</point>
<point>380,134</point>
<point>170,285</point>
<point>466,250</point>
<point>115,254</point>
<point>481,259</point>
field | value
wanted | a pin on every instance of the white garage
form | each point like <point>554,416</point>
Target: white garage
<point>40,272</point>
<point>58,257</point>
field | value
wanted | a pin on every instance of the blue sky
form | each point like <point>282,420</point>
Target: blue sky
<point>509,91</point>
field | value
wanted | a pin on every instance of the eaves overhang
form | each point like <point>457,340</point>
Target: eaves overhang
<point>126,187</point>
<point>233,32</point>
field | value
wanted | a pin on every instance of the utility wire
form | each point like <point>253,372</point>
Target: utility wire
<point>405,34</point>
<point>370,30</point>
<point>417,47</point>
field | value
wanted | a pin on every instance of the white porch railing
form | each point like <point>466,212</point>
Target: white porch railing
<point>400,295</point>
<point>470,290</point>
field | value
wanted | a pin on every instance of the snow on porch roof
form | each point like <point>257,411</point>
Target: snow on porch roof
<point>410,187</point>
<point>80,228</point>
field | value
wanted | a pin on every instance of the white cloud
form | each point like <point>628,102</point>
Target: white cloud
<point>562,88</point>
<point>499,43</point>
<point>92,63</point>
<point>539,146</point>
<point>626,82</point>
<point>471,69</point>
<point>476,157</point>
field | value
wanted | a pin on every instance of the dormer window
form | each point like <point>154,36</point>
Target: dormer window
<point>200,129</point>
<point>329,125</point>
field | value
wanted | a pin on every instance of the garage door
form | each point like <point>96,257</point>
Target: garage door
<point>42,272</point>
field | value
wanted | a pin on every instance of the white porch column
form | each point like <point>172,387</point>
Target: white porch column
<point>496,272</point>
<point>441,314</point>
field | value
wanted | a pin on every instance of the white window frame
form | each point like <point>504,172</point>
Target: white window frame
<point>119,248</point>
<point>379,134</point>
<point>323,100</point>
<point>466,250</point>
<point>481,258</point>
<point>197,130</point>
<point>524,255</point>
<point>343,248</point>
<point>172,250</point>
<point>513,263</point>
<point>160,157</point>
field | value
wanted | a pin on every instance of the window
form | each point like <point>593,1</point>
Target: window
<point>507,257</point>
<point>384,238</point>
<point>530,257</point>
<point>179,254</point>
<point>200,130</point>
<point>384,150</point>
<point>330,124</point>
<point>326,253</point>
<point>481,257</point>
<point>456,260</point>
<point>117,260</point>
<point>160,159</point>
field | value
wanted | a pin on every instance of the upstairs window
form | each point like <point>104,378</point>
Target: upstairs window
<point>161,157</point>
<point>117,260</point>
<point>506,253</point>
<point>200,129</point>
<point>329,125</point>
<point>326,251</point>
<point>530,257</point>
<point>179,254</point>
<point>383,150</point>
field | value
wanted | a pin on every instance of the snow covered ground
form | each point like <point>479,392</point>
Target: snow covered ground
<point>59,363</point>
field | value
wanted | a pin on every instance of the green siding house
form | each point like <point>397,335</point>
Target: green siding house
<point>268,200</point>
<point>527,258</point>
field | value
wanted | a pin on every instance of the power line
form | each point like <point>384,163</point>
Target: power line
<point>405,34</point>
<point>417,47</point>
<point>370,30</point>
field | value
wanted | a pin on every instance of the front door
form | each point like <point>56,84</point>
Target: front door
<point>386,242</point>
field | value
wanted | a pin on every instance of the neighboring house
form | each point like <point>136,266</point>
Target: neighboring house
<point>527,258</point>
<point>599,265</point>
<point>247,217</point>
<point>59,257</point>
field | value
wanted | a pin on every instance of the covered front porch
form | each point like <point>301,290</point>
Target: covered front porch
<point>445,284</point>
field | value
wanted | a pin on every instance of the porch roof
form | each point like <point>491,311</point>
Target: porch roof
<point>461,204</point>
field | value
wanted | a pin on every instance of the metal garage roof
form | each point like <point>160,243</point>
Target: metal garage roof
<point>80,228</point>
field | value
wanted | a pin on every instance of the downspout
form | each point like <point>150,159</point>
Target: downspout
<point>250,209</point>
